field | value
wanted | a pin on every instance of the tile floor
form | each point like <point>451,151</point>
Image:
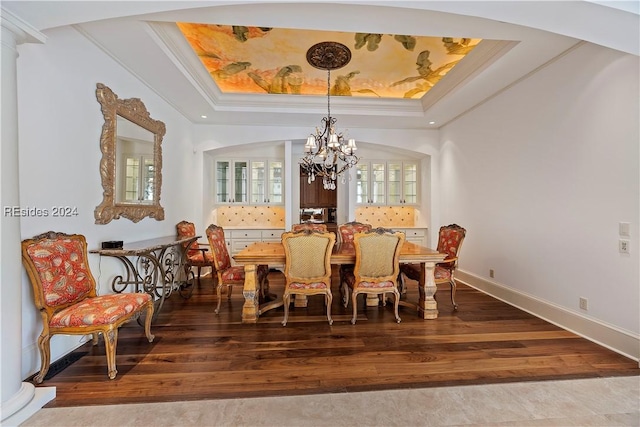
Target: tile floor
<point>583,402</point>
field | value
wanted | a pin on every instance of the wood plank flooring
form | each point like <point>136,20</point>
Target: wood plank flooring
<point>199,355</point>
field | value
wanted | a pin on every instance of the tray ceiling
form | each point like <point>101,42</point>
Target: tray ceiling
<point>252,60</point>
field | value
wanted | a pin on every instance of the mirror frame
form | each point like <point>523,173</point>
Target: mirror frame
<point>134,110</point>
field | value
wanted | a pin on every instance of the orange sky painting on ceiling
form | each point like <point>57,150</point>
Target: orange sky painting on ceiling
<point>273,60</point>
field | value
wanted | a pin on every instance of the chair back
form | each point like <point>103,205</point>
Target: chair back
<point>449,242</point>
<point>319,227</point>
<point>221,258</point>
<point>377,255</point>
<point>348,229</point>
<point>186,229</point>
<point>58,270</point>
<point>308,256</point>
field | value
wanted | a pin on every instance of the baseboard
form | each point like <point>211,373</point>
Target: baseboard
<point>601,333</point>
<point>63,346</point>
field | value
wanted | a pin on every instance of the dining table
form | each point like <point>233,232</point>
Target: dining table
<point>272,253</point>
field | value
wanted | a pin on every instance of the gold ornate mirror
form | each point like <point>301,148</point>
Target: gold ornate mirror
<point>131,165</point>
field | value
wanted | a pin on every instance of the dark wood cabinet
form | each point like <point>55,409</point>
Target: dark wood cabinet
<point>326,198</point>
<point>314,195</point>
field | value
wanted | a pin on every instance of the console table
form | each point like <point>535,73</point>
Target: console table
<point>154,266</point>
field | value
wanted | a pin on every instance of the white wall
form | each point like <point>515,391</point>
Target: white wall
<point>60,123</point>
<point>542,174</point>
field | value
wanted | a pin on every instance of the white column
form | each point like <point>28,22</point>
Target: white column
<point>19,400</point>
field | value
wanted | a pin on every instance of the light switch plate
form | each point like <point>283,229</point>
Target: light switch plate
<point>623,228</point>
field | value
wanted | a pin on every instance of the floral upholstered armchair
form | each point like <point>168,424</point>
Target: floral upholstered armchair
<point>65,294</point>
<point>198,255</point>
<point>307,268</point>
<point>346,232</point>
<point>450,240</point>
<point>228,275</point>
<point>377,266</point>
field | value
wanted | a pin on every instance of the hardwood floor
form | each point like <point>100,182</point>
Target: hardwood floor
<point>198,355</point>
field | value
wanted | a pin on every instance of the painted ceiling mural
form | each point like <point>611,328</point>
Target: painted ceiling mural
<point>273,60</point>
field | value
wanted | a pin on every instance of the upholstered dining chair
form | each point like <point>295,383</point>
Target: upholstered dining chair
<point>228,275</point>
<point>450,238</point>
<point>198,255</point>
<point>377,266</point>
<point>64,292</point>
<point>346,232</point>
<point>307,268</point>
<point>314,226</point>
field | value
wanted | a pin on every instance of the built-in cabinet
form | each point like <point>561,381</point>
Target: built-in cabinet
<point>402,183</point>
<point>238,240</point>
<point>370,183</point>
<point>387,183</point>
<point>414,235</point>
<point>261,182</point>
<point>314,195</point>
<point>253,182</point>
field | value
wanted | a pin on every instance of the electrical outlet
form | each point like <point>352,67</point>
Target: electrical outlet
<point>491,273</point>
<point>623,246</point>
<point>584,304</point>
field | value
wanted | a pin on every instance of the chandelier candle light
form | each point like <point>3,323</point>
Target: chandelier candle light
<point>327,154</point>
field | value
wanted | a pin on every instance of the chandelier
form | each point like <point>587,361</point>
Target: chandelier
<point>328,154</point>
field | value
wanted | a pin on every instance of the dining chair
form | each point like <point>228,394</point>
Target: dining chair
<point>346,232</point>
<point>377,266</point>
<point>314,226</point>
<point>307,269</point>
<point>198,255</point>
<point>228,275</point>
<point>450,238</point>
<point>64,292</point>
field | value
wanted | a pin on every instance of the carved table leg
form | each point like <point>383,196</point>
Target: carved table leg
<point>250,292</point>
<point>427,305</point>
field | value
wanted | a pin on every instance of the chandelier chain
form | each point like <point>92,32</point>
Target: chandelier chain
<point>329,94</point>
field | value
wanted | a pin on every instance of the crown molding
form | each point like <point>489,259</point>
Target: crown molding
<point>25,33</point>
